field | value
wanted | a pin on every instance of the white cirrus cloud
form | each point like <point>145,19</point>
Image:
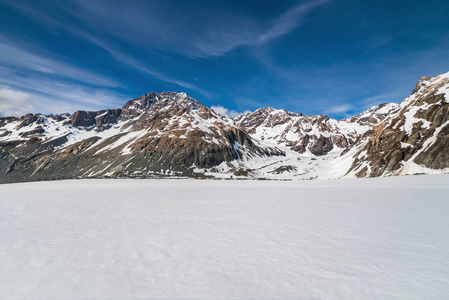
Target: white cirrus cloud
<point>339,109</point>
<point>152,24</point>
<point>227,112</point>
<point>14,103</point>
<point>15,56</point>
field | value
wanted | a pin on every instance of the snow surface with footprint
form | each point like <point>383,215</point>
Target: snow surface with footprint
<point>383,238</point>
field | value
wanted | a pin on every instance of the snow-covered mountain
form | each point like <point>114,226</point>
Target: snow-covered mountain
<point>171,134</point>
<point>316,135</point>
<point>413,139</point>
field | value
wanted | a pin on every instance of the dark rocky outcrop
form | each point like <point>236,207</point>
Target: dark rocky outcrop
<point>300,133</point>
<point>321,146</point>
<point>420,83</point>
<point>101,120</point>
<point>171,140</point>
<point>390,145</point>
<point>171,134</point>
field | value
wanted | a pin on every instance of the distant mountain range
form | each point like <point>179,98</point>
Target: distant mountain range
<point>172,135</point>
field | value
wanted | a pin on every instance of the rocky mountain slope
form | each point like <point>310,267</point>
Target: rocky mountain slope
<point>413,139</point>
<point>171,134</point>
<point>153,135</point>
<point>316,135</point>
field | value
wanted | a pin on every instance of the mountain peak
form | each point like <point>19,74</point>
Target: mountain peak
<point>375,114</point>
<point>158,102</point>
<point>421,83</point>
<point>170,133</point>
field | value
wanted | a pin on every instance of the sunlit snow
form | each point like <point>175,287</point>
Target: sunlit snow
<point>383,238</point>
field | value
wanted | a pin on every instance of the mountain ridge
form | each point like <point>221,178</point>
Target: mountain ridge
<point>172,134</point>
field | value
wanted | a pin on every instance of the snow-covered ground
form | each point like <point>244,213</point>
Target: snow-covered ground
<point>383,238</point>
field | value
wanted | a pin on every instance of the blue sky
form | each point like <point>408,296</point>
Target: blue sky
<point>337,57</point>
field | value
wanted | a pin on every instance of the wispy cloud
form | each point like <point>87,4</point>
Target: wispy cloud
<point>339,109</point>
<point>35,82</point>
<point>59,98</point>
<point>52,95</point>
<point>378,99</point>
<point>131,62</point>
<point>15,56</point>
<point>143,26</point>
<point>152,25</point>
<point>198,34</point>
<point>140,66</point>
<point>238,31</point>
<point>288,21</point>
<point>227,112</point>
<point>14,103</point>
<point>124,23</point>
<point>349,110</point>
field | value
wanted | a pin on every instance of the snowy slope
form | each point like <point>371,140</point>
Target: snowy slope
<point>300,133</point>
<point>382,238</point>
<point>154,135</point>
<point>171,134</point>
<point>413,139</point>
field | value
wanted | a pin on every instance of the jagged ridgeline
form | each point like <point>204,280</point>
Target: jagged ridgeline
<point>171,134</point>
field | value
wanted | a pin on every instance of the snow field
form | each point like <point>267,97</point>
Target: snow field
<point>383,238</point>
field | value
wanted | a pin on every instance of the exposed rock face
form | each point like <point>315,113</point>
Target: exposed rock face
<point>413,137</point>
<point>100,119</point>
<point>421,82</point>
<point>171,134</point>
<point>300,133</point>
<point>155,134</point>
<point>375,114</point>
<point>83,118</point>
